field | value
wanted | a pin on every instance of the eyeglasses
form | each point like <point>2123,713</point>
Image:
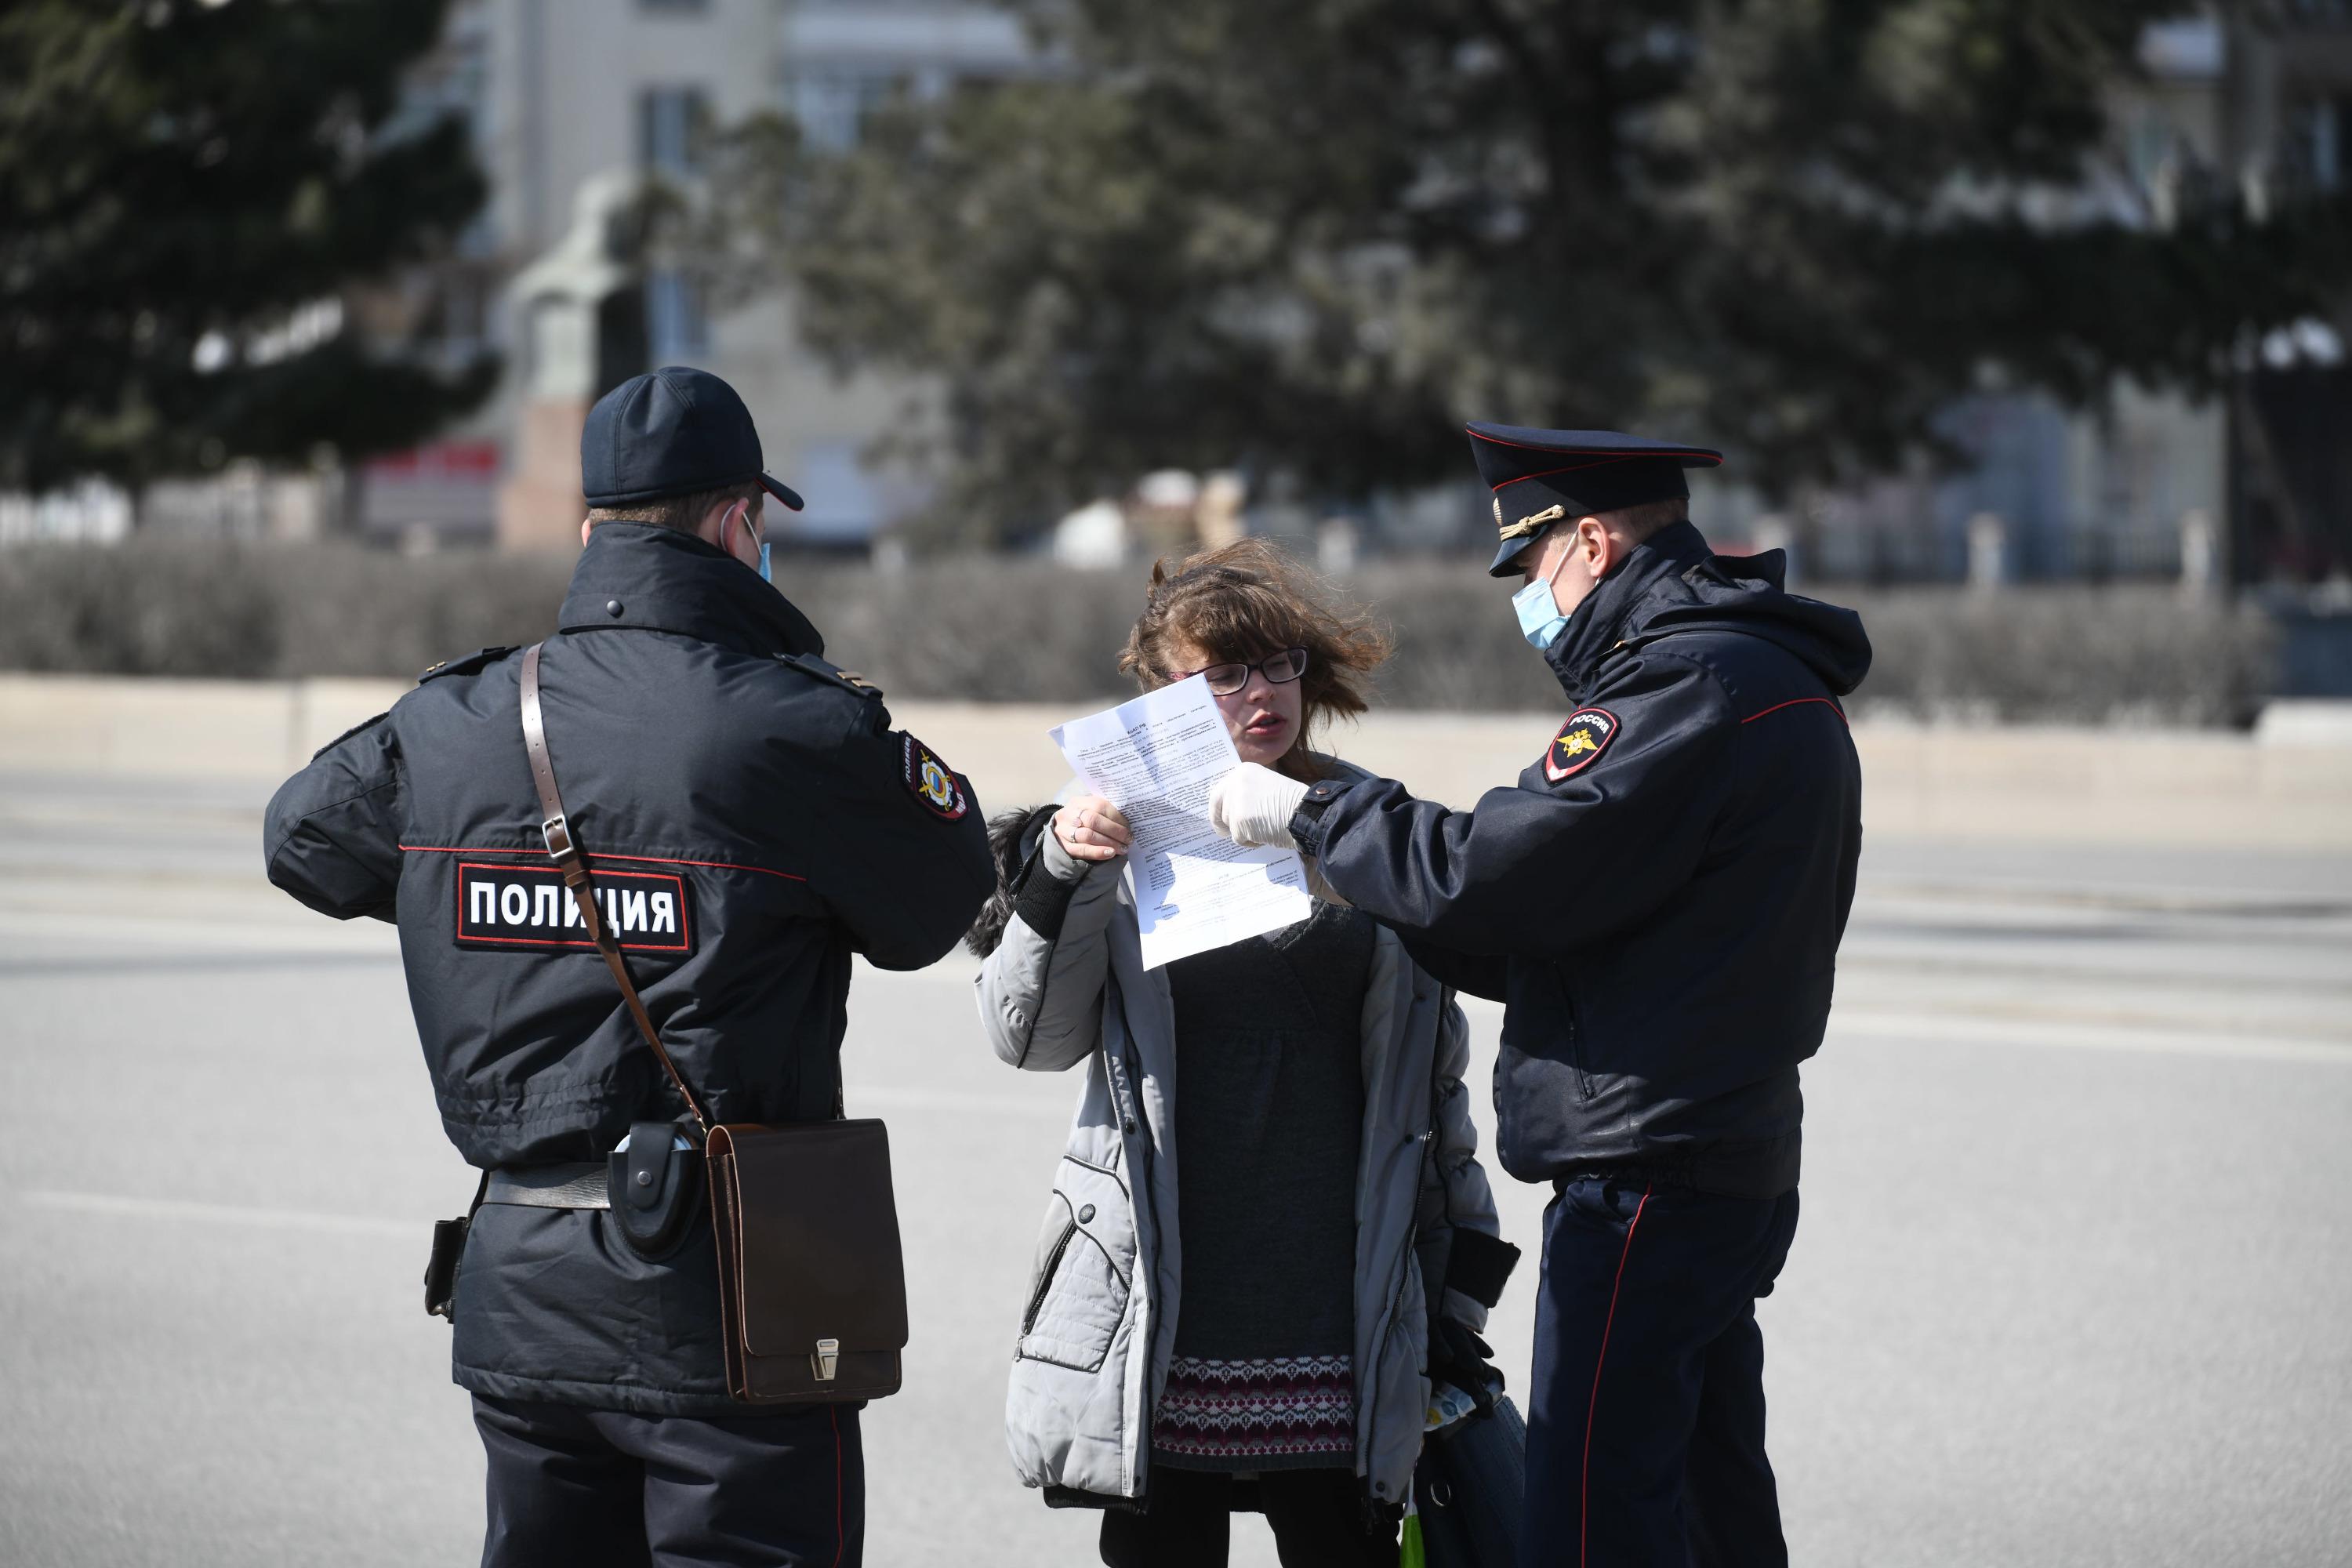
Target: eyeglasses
<point>1225,680</point>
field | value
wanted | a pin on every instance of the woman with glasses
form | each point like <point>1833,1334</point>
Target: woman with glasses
<point>1268,1229</point>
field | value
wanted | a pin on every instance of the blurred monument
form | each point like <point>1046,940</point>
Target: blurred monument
<point>583,332</point>
<point>566,100</point>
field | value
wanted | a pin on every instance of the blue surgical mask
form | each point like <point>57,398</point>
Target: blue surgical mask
<point>1540,621</point>
<point>763,562</point>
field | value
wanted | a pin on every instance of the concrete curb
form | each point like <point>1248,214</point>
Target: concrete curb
<point>2289,786</point>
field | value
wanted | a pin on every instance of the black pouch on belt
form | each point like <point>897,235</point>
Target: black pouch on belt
<point>448,1251</point>
<point>655,1188</point>
<point>441,1269</point>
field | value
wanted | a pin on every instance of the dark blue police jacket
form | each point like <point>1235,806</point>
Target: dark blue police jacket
<point>753,821</point>
<point>1659,899</point>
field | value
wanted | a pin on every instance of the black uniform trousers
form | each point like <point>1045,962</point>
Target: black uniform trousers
<point>1645,1432</point>
<point>572,1488</point>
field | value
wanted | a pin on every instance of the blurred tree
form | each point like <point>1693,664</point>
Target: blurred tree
<point>1310,239</point>
<point>187,191</point>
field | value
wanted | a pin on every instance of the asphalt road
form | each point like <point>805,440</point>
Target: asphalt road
<point>2072,1286</point>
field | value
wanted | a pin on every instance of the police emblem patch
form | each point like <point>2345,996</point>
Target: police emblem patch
<point>1580,742</point>
<point>932,781</point>
<point>528,905</point>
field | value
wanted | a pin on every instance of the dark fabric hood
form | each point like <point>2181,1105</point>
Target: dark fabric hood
<point>1672,583</point>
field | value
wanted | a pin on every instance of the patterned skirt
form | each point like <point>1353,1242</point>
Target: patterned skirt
<point>1274,1413</point>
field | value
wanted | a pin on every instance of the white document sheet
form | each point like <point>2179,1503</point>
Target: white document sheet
<point>1156,759</point>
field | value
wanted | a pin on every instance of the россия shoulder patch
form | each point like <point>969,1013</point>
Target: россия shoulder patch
<point>1580,742</point>
<point>933,783</point>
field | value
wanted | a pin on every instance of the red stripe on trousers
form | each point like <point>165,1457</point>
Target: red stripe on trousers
<point>1584,1492</point>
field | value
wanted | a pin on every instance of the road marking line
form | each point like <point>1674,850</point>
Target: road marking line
<point>857,1094</point>
<point>226,1214</point>
<point>1963,1029</point>
<point>1960,1029</point>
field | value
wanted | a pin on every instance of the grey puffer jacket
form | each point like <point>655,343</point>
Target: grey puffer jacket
<point>1067,986</point>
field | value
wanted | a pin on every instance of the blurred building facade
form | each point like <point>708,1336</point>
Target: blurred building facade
<point>574,104</point>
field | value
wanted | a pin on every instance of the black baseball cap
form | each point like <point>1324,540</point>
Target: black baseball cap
<point>670,432</point>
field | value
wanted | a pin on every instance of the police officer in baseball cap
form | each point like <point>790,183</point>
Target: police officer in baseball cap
<point>754,822</point>
<point>670,433</point>
<point>1657,902</point>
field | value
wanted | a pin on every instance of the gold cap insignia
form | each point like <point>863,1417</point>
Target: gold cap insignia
<point>1528,525</point>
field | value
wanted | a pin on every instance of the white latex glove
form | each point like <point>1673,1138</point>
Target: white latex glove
<point>1252,807</point>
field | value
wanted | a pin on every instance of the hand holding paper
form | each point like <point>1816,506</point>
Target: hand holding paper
<point>1156,758</point>
<point>1092,828</point>
<point>1252,805</point>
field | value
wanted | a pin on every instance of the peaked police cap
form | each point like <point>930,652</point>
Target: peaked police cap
<point>1542,477</point>
<point>670,432</point>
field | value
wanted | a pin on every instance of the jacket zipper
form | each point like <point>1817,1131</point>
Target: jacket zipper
<point>1123,1097</point>
<point>1044,1279</point>
<point>1428,1141</point>
<point>1575,1036</point>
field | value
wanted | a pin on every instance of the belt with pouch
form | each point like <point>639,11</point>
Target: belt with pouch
<point>651,1184</point>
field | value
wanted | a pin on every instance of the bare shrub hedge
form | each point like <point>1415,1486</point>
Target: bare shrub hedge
<point>997,629</point>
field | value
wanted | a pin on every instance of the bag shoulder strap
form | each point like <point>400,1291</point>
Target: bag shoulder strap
<point>556,829</point>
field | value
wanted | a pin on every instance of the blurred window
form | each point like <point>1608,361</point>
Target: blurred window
<point>831,105</point>
<point>675,327</point>
<point>2149,147</point>
<point>673,123</point>
<point>2319,139</point>
<point>845,504</point>
<point>457,323</point>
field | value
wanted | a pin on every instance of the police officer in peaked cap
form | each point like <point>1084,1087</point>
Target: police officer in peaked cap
<point>1657,901</point>
<point>775,825</point>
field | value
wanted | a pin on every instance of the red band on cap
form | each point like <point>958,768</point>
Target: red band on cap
<point>1571,467</point>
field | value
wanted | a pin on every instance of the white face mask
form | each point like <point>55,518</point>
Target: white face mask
<point>1540,621</point>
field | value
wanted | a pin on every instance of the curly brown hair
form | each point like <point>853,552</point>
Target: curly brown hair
<point>1246,600</point>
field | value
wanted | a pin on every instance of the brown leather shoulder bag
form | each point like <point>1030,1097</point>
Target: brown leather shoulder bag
<point>812,1284</point>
